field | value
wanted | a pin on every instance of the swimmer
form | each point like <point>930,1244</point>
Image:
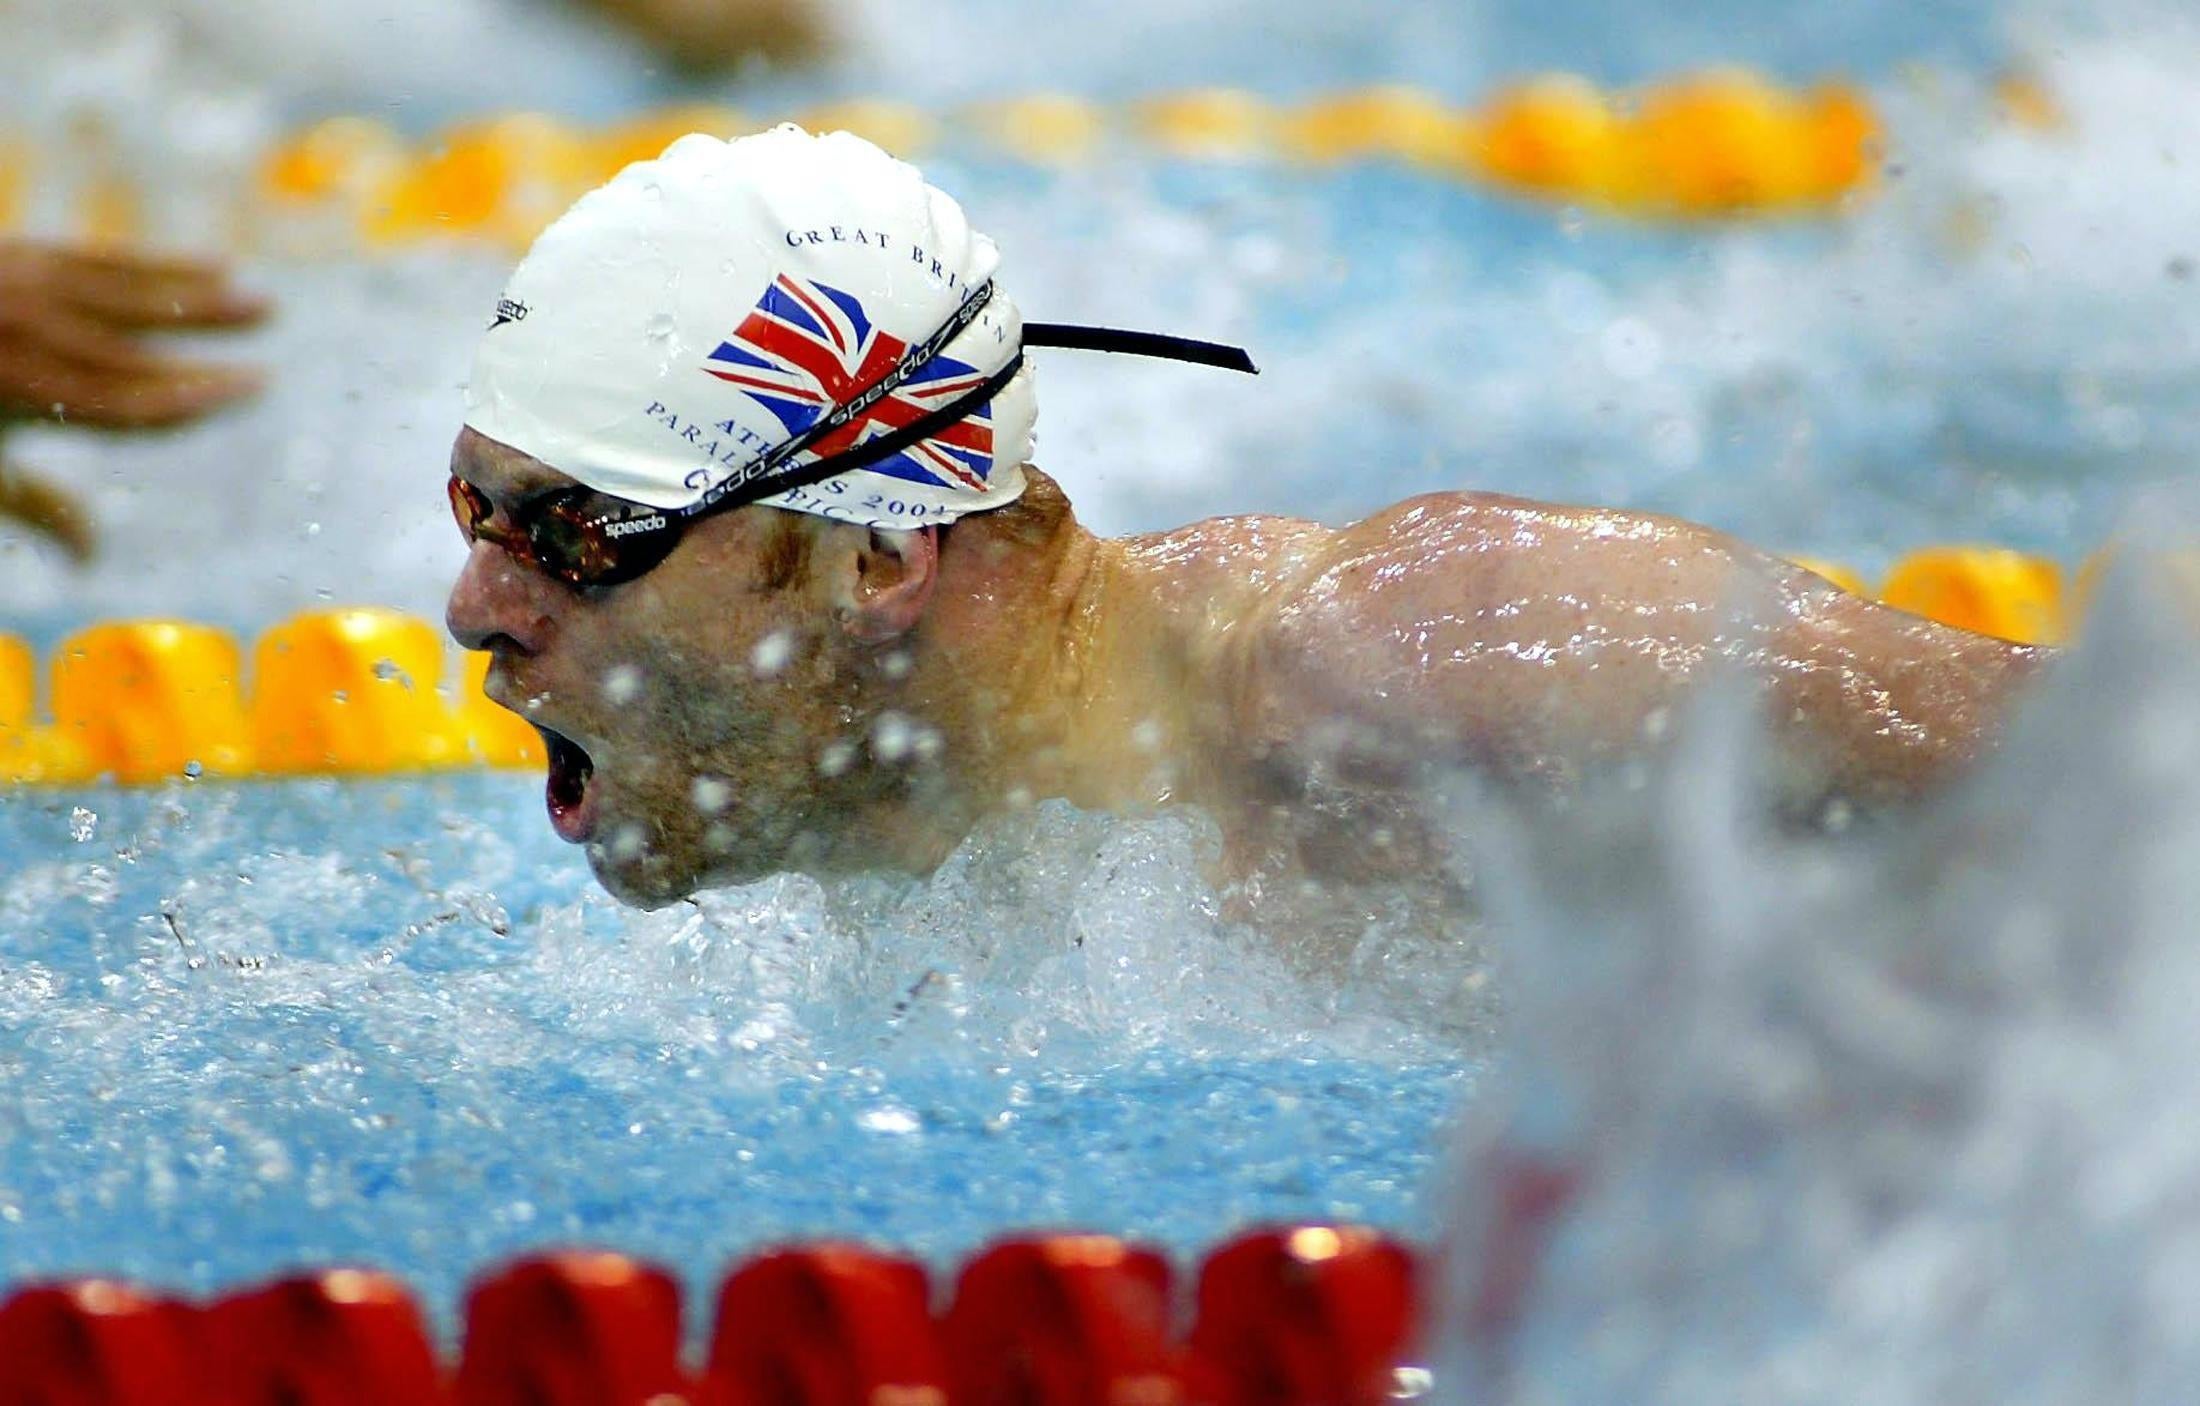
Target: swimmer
<point>69,353</point>
<point>756,542</point>
<point>702,35</point>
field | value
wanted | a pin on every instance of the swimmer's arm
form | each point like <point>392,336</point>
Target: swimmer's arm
<point>1534,639</point>
<point>1863,700</point>
<point>1880,703</point>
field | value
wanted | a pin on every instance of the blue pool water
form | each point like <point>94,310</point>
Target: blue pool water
<point>250,1027</point>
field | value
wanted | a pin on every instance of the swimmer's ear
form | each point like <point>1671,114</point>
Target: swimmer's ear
<point>891,581</point>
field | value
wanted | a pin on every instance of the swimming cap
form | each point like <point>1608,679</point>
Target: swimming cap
<point>732,311</point>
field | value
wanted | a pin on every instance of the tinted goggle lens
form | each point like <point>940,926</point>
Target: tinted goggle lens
<point>470,506</point>
<point>578,536</point>
<point>589,540</point>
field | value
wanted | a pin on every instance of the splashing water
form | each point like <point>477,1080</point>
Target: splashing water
<point>1905,1116</point>
<point>254,1026</point>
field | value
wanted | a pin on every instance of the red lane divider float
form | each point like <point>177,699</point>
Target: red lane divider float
<point>96,1342</point>
<point>1309,1317</point>
<point>583,1329</point>
<point>1312,1316</point>
<point>346,1337</point>
<point>831,1325</point>
<point>1072,1320</point>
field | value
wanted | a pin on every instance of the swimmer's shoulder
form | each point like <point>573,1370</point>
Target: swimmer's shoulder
<point>1450,538</point>
<point>1220,562</point>
<point>1250,567</point>
<point>1444,555</point>
<point>1413,522</point>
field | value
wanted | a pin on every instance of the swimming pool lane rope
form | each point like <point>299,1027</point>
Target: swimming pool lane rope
<point>363,691</point>
<point>1301,1316</point>
<point>1717,144</point>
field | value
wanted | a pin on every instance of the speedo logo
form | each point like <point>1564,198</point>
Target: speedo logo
<point>509,310</point>
<point>633,525</point>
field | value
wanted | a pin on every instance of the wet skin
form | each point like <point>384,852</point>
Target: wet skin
<point>1303,684</point>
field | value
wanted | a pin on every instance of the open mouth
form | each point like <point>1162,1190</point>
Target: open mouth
<point>567,792</point>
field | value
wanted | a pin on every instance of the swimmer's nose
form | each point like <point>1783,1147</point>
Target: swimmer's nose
<point>495,596</point>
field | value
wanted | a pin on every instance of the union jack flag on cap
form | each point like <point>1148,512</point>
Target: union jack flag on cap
<point>807,347</point>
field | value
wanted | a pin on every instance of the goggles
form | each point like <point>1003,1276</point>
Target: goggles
<point>589,539</point>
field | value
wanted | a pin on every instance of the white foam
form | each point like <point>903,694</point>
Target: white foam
<point>1903,1117</point>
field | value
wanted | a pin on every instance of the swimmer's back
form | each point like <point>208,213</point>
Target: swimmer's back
<point>1475,626</point>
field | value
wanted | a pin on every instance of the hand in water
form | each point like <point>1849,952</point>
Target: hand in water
<point>704,35</point>
<point>69,348</point>
<point>72,351</point>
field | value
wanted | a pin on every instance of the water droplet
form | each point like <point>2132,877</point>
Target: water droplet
<point>888,1118</point>
<point>192,771</point>
<point>771,654</point>
<point>83,824</point>
<point>1632,349</point>
<point>836,758</point>
<point>622,685</point>
<point>891,737</point>
<point>628,842</point>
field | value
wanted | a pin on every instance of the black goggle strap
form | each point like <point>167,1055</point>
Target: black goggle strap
<point>616,522</point>
<point>887,445</point>
<point>1129,343</point>
<point>765,476</point>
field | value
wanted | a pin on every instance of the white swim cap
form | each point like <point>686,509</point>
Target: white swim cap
<point>733,311</point>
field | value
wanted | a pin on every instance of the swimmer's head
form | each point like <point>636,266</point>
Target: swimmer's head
<point>735,317</point>
<point>783,692</point>
<point>715,435</point>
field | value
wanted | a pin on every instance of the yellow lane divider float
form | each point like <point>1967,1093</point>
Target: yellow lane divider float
<point>359,691</point>
<point>1988,589</point>
<point>1716,144</point>
<point>345,692</point>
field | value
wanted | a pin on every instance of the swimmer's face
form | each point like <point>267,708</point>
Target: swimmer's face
<point>694,717</point>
